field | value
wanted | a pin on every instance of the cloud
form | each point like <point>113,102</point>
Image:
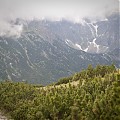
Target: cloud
<point>8,29</point>
<point>52,9</point>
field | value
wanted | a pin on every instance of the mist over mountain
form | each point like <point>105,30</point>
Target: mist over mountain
<point>52,10</point>
<point>41,40</point>
<point>46,50</point>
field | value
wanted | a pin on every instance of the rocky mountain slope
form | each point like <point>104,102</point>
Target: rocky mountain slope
<point>48,50</point>
<point>89,36</point>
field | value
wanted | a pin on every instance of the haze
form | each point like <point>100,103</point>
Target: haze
<point>72,10</point>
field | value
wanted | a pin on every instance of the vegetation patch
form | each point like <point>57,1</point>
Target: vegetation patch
<point>95,97</point>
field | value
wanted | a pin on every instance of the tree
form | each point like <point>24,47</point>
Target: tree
<point>90,71</point>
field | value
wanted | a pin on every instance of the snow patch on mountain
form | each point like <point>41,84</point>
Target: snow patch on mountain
<point>79,46</point>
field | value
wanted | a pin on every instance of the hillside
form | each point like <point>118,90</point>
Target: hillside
<point>94,97</point>
<point>48,50</point>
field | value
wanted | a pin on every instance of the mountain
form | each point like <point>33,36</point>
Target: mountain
<point>48,50</point>
<point>89,36</point>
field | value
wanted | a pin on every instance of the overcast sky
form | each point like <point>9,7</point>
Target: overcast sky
<point>54,9</point>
